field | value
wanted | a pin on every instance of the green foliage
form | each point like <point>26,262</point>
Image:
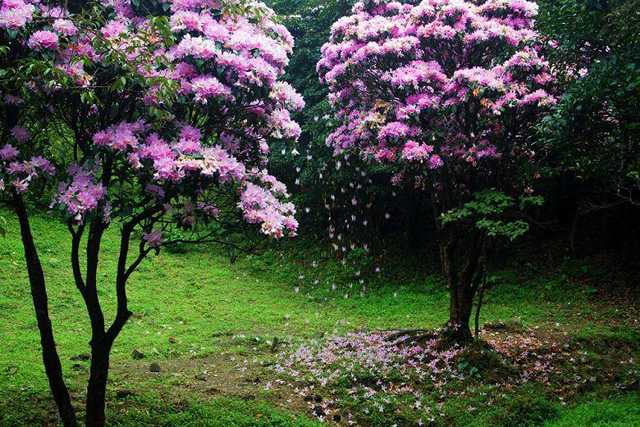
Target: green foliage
<point>593,131</point>
<point>493,213</point>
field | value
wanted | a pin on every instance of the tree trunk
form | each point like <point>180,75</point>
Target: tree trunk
<point>460,309</point>
<point>459,280</point>
<point>574,233</point>
<point>50,357</point>
<point>97,384</point>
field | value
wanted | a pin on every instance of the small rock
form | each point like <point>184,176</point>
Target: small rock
<point>154,367</point>
<point>83,356</point>
<point>173,340</point>
<point>121,394</point>
<point>137,355</point>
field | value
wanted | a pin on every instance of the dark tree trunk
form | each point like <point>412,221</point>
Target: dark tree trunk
<point>460,309</point>
<point>102,341</point>
<point>574,233</point>
<point>460,280</point>
<point>50,356</point>
<point>100,346</point>
<point>96,390</point>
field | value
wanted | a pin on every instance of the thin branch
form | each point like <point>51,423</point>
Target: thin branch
<point>76,238</point>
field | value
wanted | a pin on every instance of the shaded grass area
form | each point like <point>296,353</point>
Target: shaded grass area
<point>191,305</point>
<point>617,412</point>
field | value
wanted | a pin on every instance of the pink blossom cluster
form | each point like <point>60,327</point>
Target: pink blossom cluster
<point>20,134</point>
<point>120,137</point>
<point>17,172</point>
<point>286,96</point>
<point>43,39</point>
<point>261,206</point>
<point>408,78</point>
<point>223,70</point>
<point>15,14</point>
<point>82,195</point>
<point>414,152</point>
<point>153,239</point>
<point>186,159</point>
<point>218,58</point>
<point>239,54</point>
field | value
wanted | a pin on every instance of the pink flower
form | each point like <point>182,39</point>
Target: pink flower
<point>15,14</point>
<point>42,40</point>
<point>413,151</point>
<point>65,27</point>
<point>435,162</point>
<point>83,195</point>
<point>20,185</point>
<point>153,239</point>
<point>8,153</point>
<point>206,87</point>
<point>114,29</point>
<point>43,164</point>
<point>20,134</point>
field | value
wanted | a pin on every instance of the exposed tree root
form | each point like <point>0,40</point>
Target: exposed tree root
<point>414,336</point>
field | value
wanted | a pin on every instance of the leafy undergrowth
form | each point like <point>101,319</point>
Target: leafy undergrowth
<point>384,379</point>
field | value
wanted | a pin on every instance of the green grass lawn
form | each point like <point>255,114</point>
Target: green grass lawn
<point>195,308</point>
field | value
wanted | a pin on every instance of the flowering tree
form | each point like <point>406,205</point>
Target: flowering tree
<point>154,117</point>
<point>445,91</point>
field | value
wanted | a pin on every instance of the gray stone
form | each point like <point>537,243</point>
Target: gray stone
<point>83,356</point>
